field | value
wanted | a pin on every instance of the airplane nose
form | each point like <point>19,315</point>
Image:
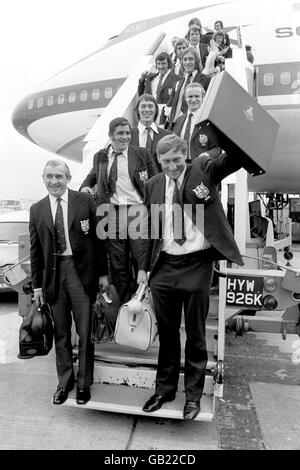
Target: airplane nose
<point>20,119</point>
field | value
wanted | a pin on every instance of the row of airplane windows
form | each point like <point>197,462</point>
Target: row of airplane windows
<point>70,97</point>
<point>268,80</point>
<point>285,78</point>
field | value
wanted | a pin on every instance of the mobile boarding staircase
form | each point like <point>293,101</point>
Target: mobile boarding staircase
<point>124,378</point>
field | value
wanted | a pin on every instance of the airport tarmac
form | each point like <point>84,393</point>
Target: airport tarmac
<point>260,408</point>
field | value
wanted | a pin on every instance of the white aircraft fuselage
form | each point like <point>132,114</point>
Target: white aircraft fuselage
<point>61,112</point>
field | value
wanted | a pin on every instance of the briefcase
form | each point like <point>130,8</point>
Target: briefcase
<point>104,314</point>
<point>238,124</point>
<point>36,332</point>
<point>136,325</point>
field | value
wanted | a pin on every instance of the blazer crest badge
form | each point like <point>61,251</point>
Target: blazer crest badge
<point>143,176</point>
<point>85,226</point>
<point>202,192</point>
<point>203,139</point>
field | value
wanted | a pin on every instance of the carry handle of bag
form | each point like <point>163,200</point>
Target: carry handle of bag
<point>140,292</point>
<point>136,308</point>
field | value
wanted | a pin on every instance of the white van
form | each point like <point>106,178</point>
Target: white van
<point>12,224</point>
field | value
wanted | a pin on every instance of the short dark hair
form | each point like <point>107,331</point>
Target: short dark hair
<point>119,121</point>
<point>146,97</point>
<point>220,32</point>
<point>194,27</point>
<point>219,21</point>
<point>180,42</point>
<point>194,21</point>
<point>164,56</point>
<point>171,142</point>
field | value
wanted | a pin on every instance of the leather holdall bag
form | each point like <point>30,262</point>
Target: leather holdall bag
<point>36,332</point>
<point>104,314</point>
<point>136,325</point>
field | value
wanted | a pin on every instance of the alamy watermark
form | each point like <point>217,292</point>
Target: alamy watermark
<point>139,222</point>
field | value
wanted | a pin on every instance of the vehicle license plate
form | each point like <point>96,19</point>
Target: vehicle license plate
<point>244,291</point>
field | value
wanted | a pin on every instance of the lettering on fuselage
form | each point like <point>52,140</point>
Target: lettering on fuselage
<point>287,32</point>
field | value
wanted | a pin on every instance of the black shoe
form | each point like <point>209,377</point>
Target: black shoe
<point>60,396</point>
<point>83,395</point>
<point>191,410</point>
<point>156,401</point>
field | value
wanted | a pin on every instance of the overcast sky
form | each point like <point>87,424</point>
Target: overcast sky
<point>38,39</point>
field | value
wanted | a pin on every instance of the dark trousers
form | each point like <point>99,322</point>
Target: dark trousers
<point>182,281</point>
<point>71,297</point>
<point>123,251</point>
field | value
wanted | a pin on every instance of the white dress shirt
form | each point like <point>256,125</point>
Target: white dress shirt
<point>195,240</point>
<point>143,133</point>
<point>195,120</point>
<point>125,194</point>
<point>64,205</point>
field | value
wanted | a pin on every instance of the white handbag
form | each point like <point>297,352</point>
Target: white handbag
<point>136,325</point>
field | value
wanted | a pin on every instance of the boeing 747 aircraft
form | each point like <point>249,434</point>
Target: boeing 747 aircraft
<point>59,115</point>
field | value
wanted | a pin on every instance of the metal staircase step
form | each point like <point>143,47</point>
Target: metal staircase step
<point>129,400</point>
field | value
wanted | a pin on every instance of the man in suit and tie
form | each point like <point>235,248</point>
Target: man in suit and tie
<point>180,45</point>
<point>194,36</point>
<point>67,263</point>
<point>160,83</point>
<point>188,126</point>
<point>184,232</point>
<point>192,73</point>
<point>147,134</point>
<point>120,171</point>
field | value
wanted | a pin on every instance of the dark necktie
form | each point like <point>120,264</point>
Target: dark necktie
<point>183,103</point>
<point>187,134</point>
<point>159,87</point>
<point>178,217</point>
<point>113,174</point>
<point>60,238</point>
<point>149,140</point>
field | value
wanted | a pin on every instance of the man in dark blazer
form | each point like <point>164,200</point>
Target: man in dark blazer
<point>119,172</point>
<point>194,36</point>
<point>179,249</point>
<point>147,134</point>
<point>176,105</point>
<point>188,126</point>
<point>67,262</point>
<point>160,83</point>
